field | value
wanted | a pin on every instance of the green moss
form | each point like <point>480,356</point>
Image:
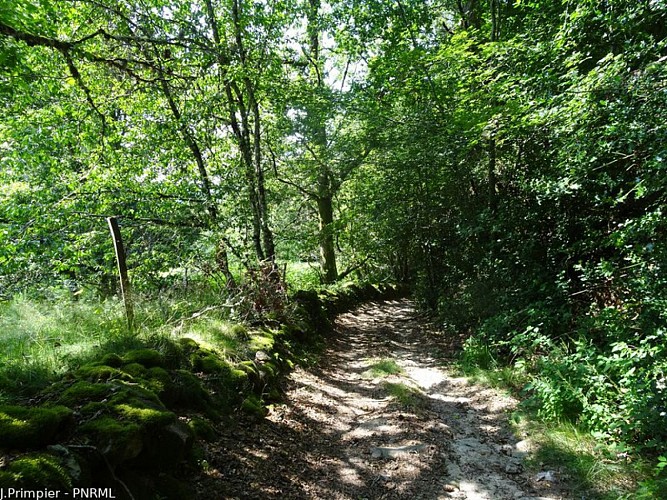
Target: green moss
<point>112,359</point>
<point>155,379</point>
<point>35,471</point>
<point>188,344</point>
<point>97,373</point>
<point>117,440</point>
<point>210,363</point>
<point>27,428</point>
<point>254,377</point>
<point>147,357</point>
<point>133,403</point>
<point>93,408</point>
<point>202,429</point>
<point>158,373</point>
<point>252,405</point>
<point>136,370</point>
<point>82,391</point>
<point>261,342</point>
<point>136,411</point>
<point>185,390</point>
<point>238,377</point>
<point>171,351</point>
<point>136,396</point>
<point>268,370</point>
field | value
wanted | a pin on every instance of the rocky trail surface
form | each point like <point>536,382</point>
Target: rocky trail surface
<point>380,417</point>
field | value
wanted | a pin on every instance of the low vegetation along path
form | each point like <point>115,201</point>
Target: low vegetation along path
<point>379,417</point>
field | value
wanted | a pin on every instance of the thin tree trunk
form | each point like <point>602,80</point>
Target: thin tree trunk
<point>327,243</point>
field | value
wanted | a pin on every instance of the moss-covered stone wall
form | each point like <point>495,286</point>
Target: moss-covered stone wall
<point>129,420</point>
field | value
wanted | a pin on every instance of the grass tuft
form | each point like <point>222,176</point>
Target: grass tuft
<point>383,368</point>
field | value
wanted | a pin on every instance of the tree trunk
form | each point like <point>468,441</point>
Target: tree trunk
<point>324,194</point>
<point>327,243</point>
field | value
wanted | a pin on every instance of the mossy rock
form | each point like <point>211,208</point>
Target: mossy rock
<point>188,345</point>
<point>202,429</point>
<point>253,406</point>
<point>83,391</point>
<point>129,419</point>
<point>96,373</point>
<point>165,448</point>
<point>35,472</point>
<point>140,405</point>
<point>28,428</point>
<point>268,371</point>
<point>146,357</point>
<point>112,359</point>
<point>117,441</point>
<point>185,390</point>
<point>253,376</point>
<point>132,403</point>
<point>239,378</point>
<point>146,416</point>
<point>136,370</point>
<point>210,363</point>
<point>158,373</point>
<point>156,379</point>
<point>262,342</point>
<point>172,353</point>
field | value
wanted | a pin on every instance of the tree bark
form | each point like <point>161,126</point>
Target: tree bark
<point>328,265</point>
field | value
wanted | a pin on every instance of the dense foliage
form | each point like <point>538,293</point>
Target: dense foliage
<point>504,157</point>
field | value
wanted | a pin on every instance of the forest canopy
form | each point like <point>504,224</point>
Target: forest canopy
<point>505,158</point>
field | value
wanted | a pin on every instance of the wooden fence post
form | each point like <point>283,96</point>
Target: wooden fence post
<point>122,270</point>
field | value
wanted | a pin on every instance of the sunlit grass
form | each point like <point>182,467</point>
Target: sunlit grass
<point>301,275</point>
<point>590,468</point>
<point>215,332</point>
<point>507,377</point>
<point>383,368</point>
<point>405,395</point>
<point>41,341</point>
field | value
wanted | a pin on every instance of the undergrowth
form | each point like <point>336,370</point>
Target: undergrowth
<point>42,341</point>
<point>593,467</point>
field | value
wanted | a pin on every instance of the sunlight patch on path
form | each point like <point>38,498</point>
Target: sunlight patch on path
<point>425,377</point>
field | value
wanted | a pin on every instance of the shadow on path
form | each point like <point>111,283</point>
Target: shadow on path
<point>345,432</point>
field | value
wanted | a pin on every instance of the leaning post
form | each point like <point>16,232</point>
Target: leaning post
<point>122,270</point>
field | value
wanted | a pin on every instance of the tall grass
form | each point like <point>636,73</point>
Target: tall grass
<point>42,340</point>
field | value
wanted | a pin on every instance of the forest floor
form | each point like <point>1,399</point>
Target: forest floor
<point>381,416</point>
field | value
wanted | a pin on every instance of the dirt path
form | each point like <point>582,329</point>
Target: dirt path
<point>350,430</point>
